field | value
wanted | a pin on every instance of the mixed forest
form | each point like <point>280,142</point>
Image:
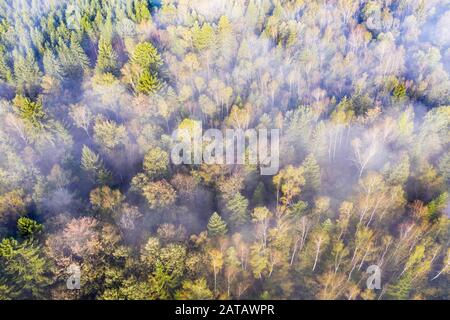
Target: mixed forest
<point>91,91</point>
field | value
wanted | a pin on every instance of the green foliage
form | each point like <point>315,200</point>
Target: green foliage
<point>437,206</point>
<point>146,56</point>
<point>203,37</point>
<point>400,172</point>
<point>73,59</point>
<point>26,74</point>
<point>148,83</point>
<point>142,10</point>
<point>399,91</point>
<point>6,292</point>
<point>94,167</point>
<point>236,207</point>
<point>24,270</point>
<point>31,111</point>
<point>258,260</point>
<point>5,70</point>
<point>108,134</point>
<point>145,63</point>
<point>194,290</point>
<point>156,163</point>
<point>28,227</point>
<point>216,226</point>
<point>259,194</point>
<point>107,59</point>
<point>401,290</point>
<point>130,289</point>
<point>167,265</point>
<point>361,104</point>
<point>52,65</point>
<point>311,173</point>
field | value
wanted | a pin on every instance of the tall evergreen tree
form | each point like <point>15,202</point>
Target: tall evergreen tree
<point>26,73</point>
<point>29,110</point>
<point>28,227</point>
<point>311,173</point>
<point>107,59</point>
<point>5,70</point>
<point>142,9</point>
<point>203,37</point>
<point>148,83</point>
<point>237,209</point>
<point>401,290</point>
<point>216,226</point>
<point>146,56</point>
<point>145,63</point>
<point>24,269</point>
<point>94,167</point>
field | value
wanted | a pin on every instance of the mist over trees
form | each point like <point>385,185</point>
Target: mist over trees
<point>91,91</point>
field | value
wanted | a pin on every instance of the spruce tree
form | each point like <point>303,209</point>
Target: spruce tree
<point>237,209</point>
<point>203,37</point>
<point>401,290</point>
<point>5,70</point>
<point>216,226</point>
<point>259,195</point>
<point>107,58</point>
<point>27,74</point>
<point>146,60</point>
<point>93,166</point>
<point>148,83</point>
<point>52,66</point>
<point>142,10</point>
<point>28,227</point>
<point>311,173</point>
<point>25,270</point>
<point>30,111</point>
<point>146,56</point>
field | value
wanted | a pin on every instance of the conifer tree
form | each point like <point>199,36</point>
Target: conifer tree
<point>145,63</point>
<point>93,166</point>
<point>5,70</point>
<point>52,66</point>
<point>311,173</point>
<point>402,289</point>
<point>216,226</point>
<point>26,73</point>
<point>142,10</point>
<point>25,270</point>
<point>237,209</point>
<point>29,110</point>
<point>28,227</point>
<point>203,37</point>
<point>259,195</point>
<point>148,83</point>
<point>146,56</point>
<point>107,58</point>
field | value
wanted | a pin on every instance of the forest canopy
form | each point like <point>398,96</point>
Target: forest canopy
<point>91,91</point>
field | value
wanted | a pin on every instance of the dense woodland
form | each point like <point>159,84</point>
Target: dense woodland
<point>91,91</point>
